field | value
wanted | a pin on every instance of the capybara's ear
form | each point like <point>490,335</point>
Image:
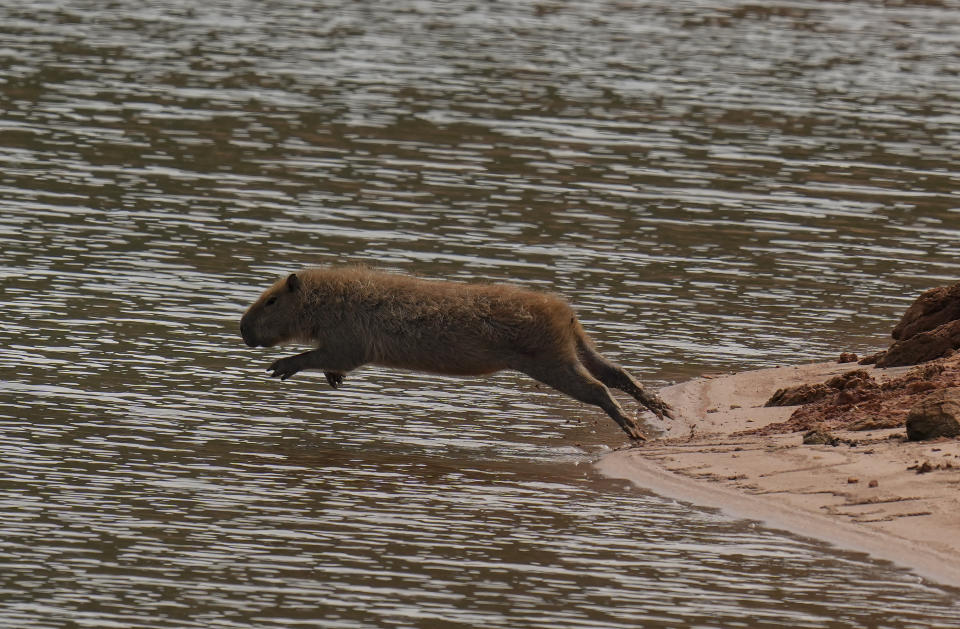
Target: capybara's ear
<point>293,283</point>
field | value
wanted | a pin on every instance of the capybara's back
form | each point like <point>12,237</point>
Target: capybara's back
<point>355,316</point>
<point>400,321</point>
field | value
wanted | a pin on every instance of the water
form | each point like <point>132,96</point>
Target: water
<point>714,185</point>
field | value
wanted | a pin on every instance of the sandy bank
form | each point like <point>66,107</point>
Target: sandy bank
<point>863,497</point>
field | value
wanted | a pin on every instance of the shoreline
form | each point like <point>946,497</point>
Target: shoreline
<point>868,497</point>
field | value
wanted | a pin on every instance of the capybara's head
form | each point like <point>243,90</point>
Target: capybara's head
<point>274,319</point>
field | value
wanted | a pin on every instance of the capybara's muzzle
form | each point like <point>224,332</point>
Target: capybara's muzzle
<point>247,333</point>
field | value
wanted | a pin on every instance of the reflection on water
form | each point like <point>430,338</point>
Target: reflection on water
<point>713,186</point>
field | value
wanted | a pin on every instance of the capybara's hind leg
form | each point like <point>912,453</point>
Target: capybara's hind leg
<point>571,378</point>
<point>615,376</point>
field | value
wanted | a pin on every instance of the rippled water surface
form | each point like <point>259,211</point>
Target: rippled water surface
<point>715,185</point>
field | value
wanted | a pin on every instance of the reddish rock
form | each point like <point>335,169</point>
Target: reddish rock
<point>923,346</point>
<point>936,415</point>
<point>883,404</point>
<point>932,309</point>
<point>855,379</point>
<point>929,329</point>
<point>920,386</point>
<point>853,386</point>
<point>800,394</point>
<point>848,396</point>
<point>818,437</point>
<point>872,358</point>
<point>848,357</point>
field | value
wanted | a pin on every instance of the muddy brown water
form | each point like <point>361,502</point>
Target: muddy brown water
<point>715,185</point>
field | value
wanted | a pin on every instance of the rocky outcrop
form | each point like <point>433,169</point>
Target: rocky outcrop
<point>923,346</point>
<point>820,437</point>
<point>849,385</point>
<point>936,415</point>
<point>800,394</point>
<point>857,401</point>
<point>928,330</point>
<point>932,309</point>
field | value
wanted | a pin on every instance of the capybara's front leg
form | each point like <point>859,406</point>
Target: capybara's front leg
<point>286,367</point>
<point>334,362</point>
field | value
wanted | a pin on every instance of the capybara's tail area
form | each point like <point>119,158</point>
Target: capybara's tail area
<point>615,376</point>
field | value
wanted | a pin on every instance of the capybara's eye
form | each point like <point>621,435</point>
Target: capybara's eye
<point>271,301</point>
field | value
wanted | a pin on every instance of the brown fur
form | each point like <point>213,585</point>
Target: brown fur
<point>356,316</point>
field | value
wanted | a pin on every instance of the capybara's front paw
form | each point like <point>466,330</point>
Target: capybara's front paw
<point>284,368</point>
<point>335,379</point>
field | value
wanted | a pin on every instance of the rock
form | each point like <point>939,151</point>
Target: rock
<point>875,423</point>
<point>848,357</point>
<point>931,309</point>
<point>848,396</point>
<point>927,466</point>
<point>856,385</point>
<point>800,394</point>
<point>928,345</point>
<point>920,386</point>
<point>853,386</point>
<point>820,437</point>
<point>929,329</point>
<point>856,379</point>
<point>936,415</point>
<point>872,358</point>
<point>873,483</point>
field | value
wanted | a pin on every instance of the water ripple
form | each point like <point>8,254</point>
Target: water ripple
<point>713,187</point>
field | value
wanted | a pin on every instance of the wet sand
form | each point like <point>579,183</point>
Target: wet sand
<point>822,491</point>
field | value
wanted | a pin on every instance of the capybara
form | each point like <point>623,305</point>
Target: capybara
<point>356,315</point>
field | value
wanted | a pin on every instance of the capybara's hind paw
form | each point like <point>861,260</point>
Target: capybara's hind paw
<point>632,428</point>
<point>637,437</point>
<point>657,406</point>
<point>665,410</point>
<point>335,379</point>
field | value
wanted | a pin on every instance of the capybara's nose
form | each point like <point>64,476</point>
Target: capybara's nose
<point>246,334</point>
